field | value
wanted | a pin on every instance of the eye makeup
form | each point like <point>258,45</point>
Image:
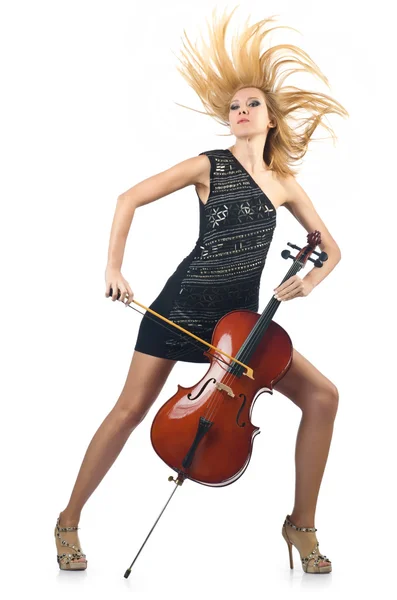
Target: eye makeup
<point>233,106</point>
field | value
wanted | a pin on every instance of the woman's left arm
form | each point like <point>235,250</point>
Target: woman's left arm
<point>302,208</point>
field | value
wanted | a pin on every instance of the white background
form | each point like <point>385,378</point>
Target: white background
<point>87,111</point>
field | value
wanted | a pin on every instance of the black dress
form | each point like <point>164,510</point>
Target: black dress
<point>221,273</point>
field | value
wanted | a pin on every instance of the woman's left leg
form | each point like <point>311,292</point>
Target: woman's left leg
<point>318,398</point>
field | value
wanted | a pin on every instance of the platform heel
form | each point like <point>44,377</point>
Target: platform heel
<point>304,538</point>
<point>69,561</point>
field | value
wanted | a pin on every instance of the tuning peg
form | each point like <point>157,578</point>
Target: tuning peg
<point>322,255</point>
<point>317,262</point>
<point>293,246</point>
<point>287,254</point>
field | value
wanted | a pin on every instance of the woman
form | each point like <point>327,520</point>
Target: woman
<point>239,190</point>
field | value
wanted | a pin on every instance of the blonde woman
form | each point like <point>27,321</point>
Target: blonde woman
<point>239,190</point>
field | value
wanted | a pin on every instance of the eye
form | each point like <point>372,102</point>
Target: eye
<point>255,102</point>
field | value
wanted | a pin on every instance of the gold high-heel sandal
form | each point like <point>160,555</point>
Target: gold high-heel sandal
<point>294,537</point>
<point>69,562</point>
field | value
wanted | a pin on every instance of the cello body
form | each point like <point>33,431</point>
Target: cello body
<point>205,432</point>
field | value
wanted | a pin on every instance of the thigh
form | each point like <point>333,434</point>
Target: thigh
<point>305,385</point>
<point>145,379</point>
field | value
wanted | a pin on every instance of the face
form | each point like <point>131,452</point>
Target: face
<point>249,103</point>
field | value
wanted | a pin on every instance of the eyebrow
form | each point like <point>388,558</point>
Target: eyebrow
<point>250,98</point>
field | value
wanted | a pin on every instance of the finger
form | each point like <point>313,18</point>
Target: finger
<point>115,293</point>
<point>126,299</point>
<point>284,292</point>
<point>283,286</point>
<point>130,295</point>
<point>296,294</point>
<point>286,287</point>
<point>291,281</point>
<point>290,291</point>
<point>107,290</point>
<point>123,295</point>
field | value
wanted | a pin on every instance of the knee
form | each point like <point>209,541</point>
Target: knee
<point>328,400</point>
<point>130,414</point>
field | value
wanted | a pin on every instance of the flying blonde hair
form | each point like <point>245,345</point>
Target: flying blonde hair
<point>285,145</point>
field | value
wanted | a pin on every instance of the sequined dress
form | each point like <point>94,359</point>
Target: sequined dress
<point>222,272</point>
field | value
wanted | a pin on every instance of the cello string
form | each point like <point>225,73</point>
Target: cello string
<point>212,407</point>
<point>250,345</point>
<point>295,267</point>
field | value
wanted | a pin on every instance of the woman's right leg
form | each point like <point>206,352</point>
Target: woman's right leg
<point>146,377</point>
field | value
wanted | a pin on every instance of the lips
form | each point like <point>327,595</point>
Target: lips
<point>242,121</point>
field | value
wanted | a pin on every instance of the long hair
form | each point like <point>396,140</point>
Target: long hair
<point>216,77</point>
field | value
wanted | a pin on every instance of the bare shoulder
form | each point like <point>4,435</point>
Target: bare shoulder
<point>302,208</point>
<point>293,191</point>
<point>279,188</point>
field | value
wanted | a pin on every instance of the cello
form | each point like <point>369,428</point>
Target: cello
<point>204,432</point>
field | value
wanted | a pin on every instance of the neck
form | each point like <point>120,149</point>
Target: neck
<point>250,153</point>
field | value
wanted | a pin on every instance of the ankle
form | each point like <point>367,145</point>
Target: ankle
<point>301,520</point>
<point>68,519</point>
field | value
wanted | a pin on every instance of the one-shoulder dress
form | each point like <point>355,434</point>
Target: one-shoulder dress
<point>223,271</point>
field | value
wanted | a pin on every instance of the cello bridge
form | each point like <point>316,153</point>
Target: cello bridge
<point>226,388</point>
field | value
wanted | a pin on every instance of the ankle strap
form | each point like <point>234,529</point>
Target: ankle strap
<point>288,522</point>
<point>66,528</point>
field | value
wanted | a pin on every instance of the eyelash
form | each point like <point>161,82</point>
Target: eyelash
<point>235,105</point>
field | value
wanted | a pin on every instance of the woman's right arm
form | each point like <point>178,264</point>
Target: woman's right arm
<point>188,172</point>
